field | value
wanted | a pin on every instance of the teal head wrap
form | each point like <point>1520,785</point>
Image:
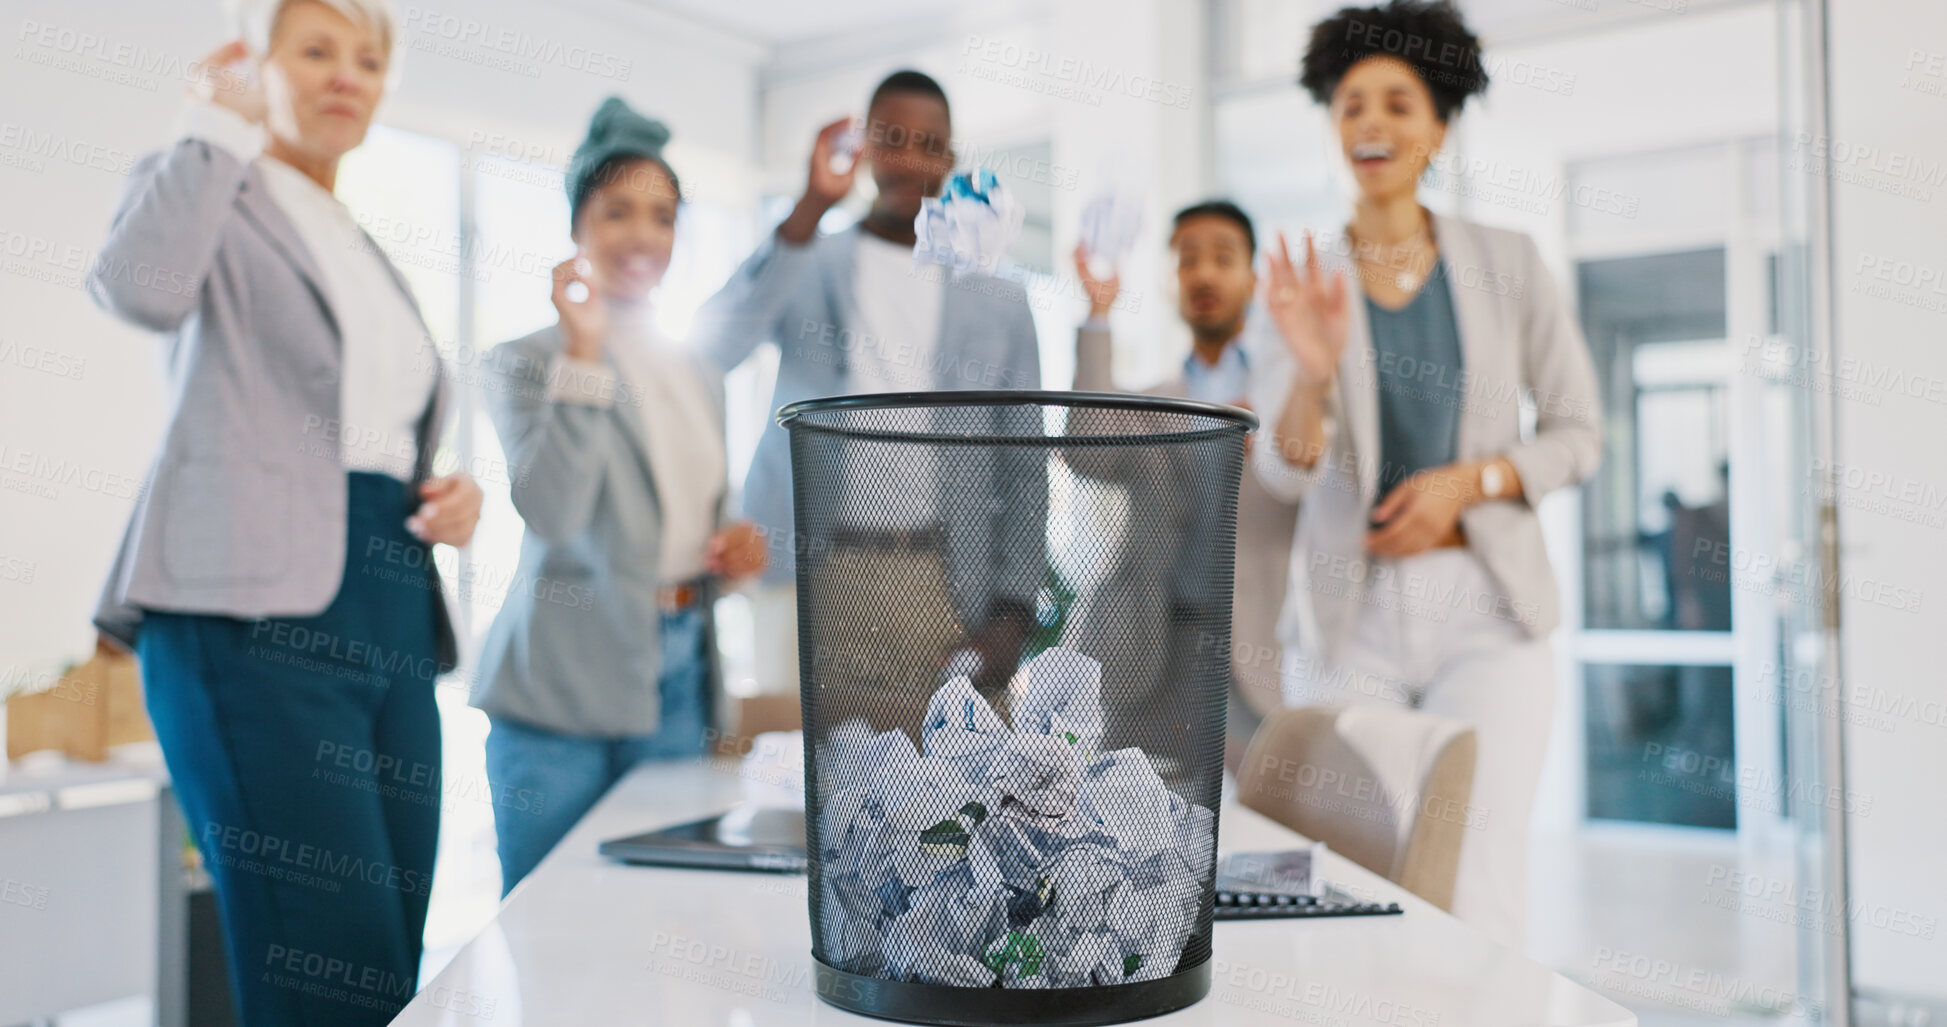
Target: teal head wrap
<point>616,132</point>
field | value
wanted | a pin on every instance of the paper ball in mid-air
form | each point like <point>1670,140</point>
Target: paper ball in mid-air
<point>970,226</point>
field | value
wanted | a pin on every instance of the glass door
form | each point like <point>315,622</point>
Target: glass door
<point>1702,634</point>
<point>1797,409</point>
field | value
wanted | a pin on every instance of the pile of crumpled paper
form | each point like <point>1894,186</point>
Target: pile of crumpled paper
<point>1023,857</point>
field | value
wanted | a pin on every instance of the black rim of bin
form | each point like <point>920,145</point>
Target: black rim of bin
<point>789,416</point>
<point>972,1007</point>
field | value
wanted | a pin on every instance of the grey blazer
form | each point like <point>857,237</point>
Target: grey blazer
<point>803,298</point>
<point>574,648</point>
<point>1264,530</point>
<point>1518,339</point>
<point>245,507</point>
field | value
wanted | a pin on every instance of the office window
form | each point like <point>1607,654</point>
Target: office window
<point>400,187</point>
<point>1656,516</point>
<point>1660,745</point>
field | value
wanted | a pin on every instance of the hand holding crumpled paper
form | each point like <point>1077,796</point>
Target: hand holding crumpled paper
<point>1111,223</point>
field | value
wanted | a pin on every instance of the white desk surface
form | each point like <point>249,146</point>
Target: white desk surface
<point>588,941</point>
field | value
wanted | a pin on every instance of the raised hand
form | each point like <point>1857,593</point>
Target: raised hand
<point>823,184</point>
<point>227,77</point>
<point>584,322</point>
<point>1309,311</point>
<point>823,187</point>
<point>1102,292</point>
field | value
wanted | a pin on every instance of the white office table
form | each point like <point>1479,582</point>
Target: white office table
<point>92,901</point>
<point>588,941</point>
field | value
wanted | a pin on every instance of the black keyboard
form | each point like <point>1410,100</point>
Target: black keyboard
<point>1235,905</point>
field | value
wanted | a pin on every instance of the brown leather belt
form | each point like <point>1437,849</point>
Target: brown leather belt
<point>679,596</point>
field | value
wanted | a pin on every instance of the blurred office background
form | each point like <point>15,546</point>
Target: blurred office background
<point>1744,200</point>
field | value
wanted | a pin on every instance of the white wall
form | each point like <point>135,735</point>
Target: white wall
<point>81,397</point>
<point>1889,93</point>
<point>701,81</point>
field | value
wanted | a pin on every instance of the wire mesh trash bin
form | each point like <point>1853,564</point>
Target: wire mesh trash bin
<point>1011,816</point>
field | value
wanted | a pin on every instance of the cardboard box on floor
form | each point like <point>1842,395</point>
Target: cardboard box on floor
<point>752,715</point>
<point>91,706</point>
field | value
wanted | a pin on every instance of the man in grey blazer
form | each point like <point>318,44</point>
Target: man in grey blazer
<point>1214,245</point>
<point>850,314</point>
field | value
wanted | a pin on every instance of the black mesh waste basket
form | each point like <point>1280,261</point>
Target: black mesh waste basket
<point>1014,630</point>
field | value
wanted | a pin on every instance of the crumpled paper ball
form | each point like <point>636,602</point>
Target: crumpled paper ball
<point>1038,776</point>
<point>970,226</point>
<point>1111,221</point>
<point>773,770</point>
<point>923,792</point>
<point>1128,801</point>
<point>1059,693</point>
<point>959,722</point>
<point>853,754</point>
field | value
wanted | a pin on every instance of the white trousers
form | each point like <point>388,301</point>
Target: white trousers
<point>1427,638</point>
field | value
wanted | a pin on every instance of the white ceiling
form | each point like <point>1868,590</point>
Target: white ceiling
<point>788,21</point>
<point>783,22</point>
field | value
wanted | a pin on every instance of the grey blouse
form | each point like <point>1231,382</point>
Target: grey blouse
<point>1420,382</point>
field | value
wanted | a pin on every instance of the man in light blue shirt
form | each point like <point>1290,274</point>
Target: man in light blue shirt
<point>1224,378</point>
<point>1214,245</point>
<point>1222,382</point>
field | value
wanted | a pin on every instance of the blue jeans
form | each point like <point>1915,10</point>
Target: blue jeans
<point>566,773</point>
<point>305,755</point>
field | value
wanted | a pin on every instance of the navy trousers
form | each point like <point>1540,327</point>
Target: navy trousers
<point>305,754</point>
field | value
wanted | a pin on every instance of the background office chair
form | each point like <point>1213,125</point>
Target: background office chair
<point>1384,786</point>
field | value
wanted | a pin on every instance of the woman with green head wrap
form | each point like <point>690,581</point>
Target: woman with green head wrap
<point>601,656</point>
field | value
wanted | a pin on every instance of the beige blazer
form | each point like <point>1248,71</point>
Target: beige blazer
<point>1519,341</point>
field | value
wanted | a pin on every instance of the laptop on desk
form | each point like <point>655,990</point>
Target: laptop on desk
<point>759,838</point>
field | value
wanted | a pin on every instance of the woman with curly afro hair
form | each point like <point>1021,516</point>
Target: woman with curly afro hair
<point>1418,574</point>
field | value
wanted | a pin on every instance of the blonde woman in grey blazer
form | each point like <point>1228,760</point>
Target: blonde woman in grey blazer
<point>603,654</point>
<point>276,577</point>
<point>1393,390</point>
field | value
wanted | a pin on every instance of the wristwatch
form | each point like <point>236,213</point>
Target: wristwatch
<point>1493,480</point>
